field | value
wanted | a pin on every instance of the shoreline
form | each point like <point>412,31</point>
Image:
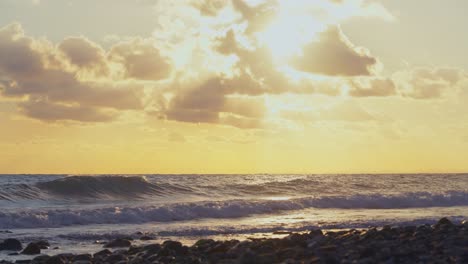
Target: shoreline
<point>443,242</point>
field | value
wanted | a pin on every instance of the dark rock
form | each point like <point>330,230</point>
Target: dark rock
<point>443,222</point>
<point>31,249</point>
<point>86,257</point>
<point>118,243</point>
<point>41,259</point>
<point>280,232</point>
<point>134,250</point>
<point>146,238</point>
<point>11,244</point>
<point>66,256</point>
<point>22,261</point>
<point>13,254</point>
<point>173,245</point>
<point>114,258</point>
<point>102,253</point>
<point>56,260</point>
<point>152,249</point>
<point>316,232</point>
<point>42,244</point>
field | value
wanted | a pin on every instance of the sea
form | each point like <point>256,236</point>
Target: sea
<point>77,213</point>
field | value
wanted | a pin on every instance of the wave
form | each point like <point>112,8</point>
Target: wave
<point>89,187</point>
<point>222,209</point>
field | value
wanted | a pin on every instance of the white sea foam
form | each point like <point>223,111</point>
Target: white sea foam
<point>43,217</point>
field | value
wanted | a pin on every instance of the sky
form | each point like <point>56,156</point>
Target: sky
<point>233,86</point>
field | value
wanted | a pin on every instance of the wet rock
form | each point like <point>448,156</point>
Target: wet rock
<point>21,261</point>
<point>114,258</point>
<point>42,244</point>
<point>31,249</point>
<point>118,243</point>
<point>11,244</point>
<point>41,259</point>
<point>56,260</point>
<point>86,257</point>
<point>175,247</point>
<point>443,223</point>
<point>146,238</point>
<point>152,249</point>
<point>102,254</point>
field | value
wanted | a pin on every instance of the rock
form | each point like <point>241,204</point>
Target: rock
<point>280,232</point>
<point>80,257</point>
<point>31,249</point>
<point>114,258</point>
<point>56,260</point>
<point>102,253</point>
<point>22,261</point>
<point>146,238</point>
<point>175,247</point>
<point>41,259</point>
<point>66,256</point>
<point>42,244</point>
<point>443,222</point>
<point>315,232</point>
<point>118,243</point>
<point>11,244</point>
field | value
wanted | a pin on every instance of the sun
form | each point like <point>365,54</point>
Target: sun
<point>291,29</point>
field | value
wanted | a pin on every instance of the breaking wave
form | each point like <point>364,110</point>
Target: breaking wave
<point>214,209</point>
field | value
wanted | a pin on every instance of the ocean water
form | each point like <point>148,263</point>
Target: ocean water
<point>76,211</point>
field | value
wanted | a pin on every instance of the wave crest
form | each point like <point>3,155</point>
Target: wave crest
<point>222,209</point>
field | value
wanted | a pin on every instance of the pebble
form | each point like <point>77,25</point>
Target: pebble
<point>444,242</point>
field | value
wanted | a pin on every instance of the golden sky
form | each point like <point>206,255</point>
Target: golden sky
<point>233,86</point>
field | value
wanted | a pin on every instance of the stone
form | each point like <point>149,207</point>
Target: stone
<point>86,257</point>
<point>31,249</point>
<point>56,260</point>
<point>443,222</point>
<point>11,244</point>
<point>114,258</point>
<point>102,253</point>
<point>41,259</point>
<point>118,243</point>
<point>42,244</point>
<point>146,238</point>
<point>152,248</point>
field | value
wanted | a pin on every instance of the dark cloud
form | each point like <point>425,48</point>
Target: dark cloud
<point>332,54</point>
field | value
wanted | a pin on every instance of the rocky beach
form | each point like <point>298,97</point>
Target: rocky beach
<point>443,242</point>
